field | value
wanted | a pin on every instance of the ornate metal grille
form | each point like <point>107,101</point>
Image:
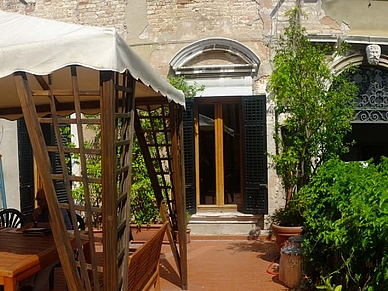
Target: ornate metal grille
<point>371,105</point>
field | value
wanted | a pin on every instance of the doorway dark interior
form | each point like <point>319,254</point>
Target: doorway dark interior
<point>232,154</point>
<point>207,167</point>
<point>230,151</point>
<point>370,142</point>
<point>207,154</point>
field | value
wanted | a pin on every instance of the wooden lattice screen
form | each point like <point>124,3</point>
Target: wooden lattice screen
<point>158,130</point>
<point>114,115</point>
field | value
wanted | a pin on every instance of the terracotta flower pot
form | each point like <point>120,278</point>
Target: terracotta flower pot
<point>283,233</point>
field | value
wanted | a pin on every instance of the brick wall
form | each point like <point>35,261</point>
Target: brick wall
<point>101,13</point>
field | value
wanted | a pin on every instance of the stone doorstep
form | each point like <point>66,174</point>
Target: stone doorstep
<point>208,216</point>
<point>225,223</point>
<point>261,237</point>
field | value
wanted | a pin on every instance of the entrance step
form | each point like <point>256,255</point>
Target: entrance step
<point>224,223</point>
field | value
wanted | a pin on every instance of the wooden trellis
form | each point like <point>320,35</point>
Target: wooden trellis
<point>60,75</point>
<point>158,131</point>
<point>117,115</point>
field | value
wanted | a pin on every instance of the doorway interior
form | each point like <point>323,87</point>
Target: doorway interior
<point>218,126</point>
<point>370,142</point>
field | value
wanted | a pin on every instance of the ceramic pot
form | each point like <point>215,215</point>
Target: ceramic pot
<point>283,233</point>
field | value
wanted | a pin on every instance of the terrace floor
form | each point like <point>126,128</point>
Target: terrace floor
<point>219,264</point>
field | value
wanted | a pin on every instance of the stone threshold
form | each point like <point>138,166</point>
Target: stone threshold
<point>261,237</point>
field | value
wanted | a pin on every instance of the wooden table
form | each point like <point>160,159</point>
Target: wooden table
<point>22,256</point>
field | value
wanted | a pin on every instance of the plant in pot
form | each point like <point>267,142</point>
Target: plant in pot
<point>144,207</point>
<point>313,111</point>
<point>145,214</point>
<point>287,221</point>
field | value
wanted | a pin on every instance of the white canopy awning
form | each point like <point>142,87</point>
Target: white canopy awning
<point>41,46</point>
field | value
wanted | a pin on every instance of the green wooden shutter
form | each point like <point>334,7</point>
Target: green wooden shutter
<point>50,139</point>
<point>26,170</point>
<point>189,152</point>
<point>255,158</point>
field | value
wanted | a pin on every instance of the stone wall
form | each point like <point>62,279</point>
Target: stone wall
<point>96,13</point>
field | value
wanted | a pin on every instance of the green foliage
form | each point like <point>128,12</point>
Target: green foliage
<point>93,167</point>
<point>328,286</point>
<point>291,215</point>
<point>144,208</point>
<point>180,83</point>
<point>316,118</point>
<point>346,225</point>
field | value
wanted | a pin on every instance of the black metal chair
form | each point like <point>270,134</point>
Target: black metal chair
<point>11,218</point>
<point>80,222</point>
<point>81,226</point>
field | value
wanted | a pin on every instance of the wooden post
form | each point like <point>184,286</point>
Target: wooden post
<point>109,183</point>
<point>179,186</point>
<point>62,242</point>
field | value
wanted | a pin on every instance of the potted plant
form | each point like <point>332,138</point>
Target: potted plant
<point>145,213</point>
<point>314,109</point>
<point>286,222</point>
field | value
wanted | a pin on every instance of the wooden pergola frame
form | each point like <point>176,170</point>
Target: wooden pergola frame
<point>118,109</point>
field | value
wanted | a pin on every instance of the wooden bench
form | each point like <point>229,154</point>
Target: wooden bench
<point>143,264</point>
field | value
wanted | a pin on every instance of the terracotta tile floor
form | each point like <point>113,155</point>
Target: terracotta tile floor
<point>215,265</point>
<point>227,265</point>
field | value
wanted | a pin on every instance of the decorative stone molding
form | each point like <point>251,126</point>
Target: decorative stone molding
<point>373,52</point>
<point>248,64</point>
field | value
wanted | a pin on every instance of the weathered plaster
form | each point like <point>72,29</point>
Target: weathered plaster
<point>359,16</point>
<point>135,19</point>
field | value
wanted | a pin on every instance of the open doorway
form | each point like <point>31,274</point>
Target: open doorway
<point>219,153</point>
<point>369,142</point>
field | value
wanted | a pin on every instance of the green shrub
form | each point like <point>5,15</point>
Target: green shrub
<point>144,208</point>
<point>346,225</point>
<point>290,215</point>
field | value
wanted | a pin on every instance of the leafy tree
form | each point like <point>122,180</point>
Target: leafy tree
<point>180,83</point>
<point>314,105</point>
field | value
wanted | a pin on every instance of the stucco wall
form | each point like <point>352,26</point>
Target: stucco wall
<point>102,13</point>
<point>359,17</point>
<point>10,163</point>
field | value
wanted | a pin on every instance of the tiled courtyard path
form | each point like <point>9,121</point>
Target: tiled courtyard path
<point>227,265</point>
<point>218,265</point>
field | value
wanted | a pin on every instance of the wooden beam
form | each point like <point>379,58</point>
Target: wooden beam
<point>62,242</point>
<point>148,160</point>
<point>83,166</point>
<point>179,186</point>
<point>67,107</point>
<point>109,183</point>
